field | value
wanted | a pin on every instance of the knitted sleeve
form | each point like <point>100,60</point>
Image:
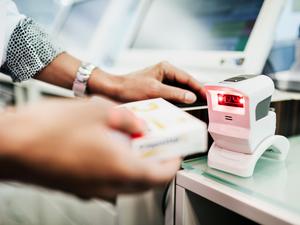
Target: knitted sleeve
<point>30,49</point>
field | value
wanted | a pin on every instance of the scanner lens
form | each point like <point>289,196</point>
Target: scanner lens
<point>231,100</point>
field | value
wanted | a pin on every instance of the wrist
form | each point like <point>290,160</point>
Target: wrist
<point>103,83</point>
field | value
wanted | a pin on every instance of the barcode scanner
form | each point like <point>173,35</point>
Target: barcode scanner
<point>242,124</point>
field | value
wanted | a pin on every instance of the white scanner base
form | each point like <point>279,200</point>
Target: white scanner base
<point>241,164</point>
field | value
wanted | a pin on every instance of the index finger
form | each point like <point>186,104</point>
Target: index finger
<point>175,74</point>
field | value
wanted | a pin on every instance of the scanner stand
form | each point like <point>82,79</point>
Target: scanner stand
<point>241,164</point>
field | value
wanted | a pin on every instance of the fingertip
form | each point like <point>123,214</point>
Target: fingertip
<point>126,121</point>
<point>189,97</point>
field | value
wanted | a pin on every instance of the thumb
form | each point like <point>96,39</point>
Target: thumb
<point>123,120</point>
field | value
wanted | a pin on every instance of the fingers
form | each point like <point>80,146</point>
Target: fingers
<point>173,73</point>
<point>106,111</point>
<point>140,173</point>
<point>142,176</point>
<point>177,94</point>
<point>123,120</point>
<point>161,172</point>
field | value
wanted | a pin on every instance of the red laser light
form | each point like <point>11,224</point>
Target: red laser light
<point>136,135</point>
<point>231,100</point>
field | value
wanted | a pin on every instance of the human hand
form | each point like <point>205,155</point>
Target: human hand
<point>152,82</point>
<point>69,145</point>
<point>148,83</point>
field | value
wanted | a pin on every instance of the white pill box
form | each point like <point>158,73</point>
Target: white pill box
<point>170,131</point>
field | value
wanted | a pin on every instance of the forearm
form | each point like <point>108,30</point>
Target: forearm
<point>62,72</point>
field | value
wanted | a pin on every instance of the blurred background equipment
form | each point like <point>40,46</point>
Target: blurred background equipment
<point>106,30</point>
<point>210,39</point>
<point>283,64</point>
<point>290,80</point>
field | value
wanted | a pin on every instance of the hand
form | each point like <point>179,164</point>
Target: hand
<point>148,83</point>
<point>69,145</point>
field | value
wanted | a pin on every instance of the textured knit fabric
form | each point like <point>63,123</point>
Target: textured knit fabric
<point>30,49</point>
